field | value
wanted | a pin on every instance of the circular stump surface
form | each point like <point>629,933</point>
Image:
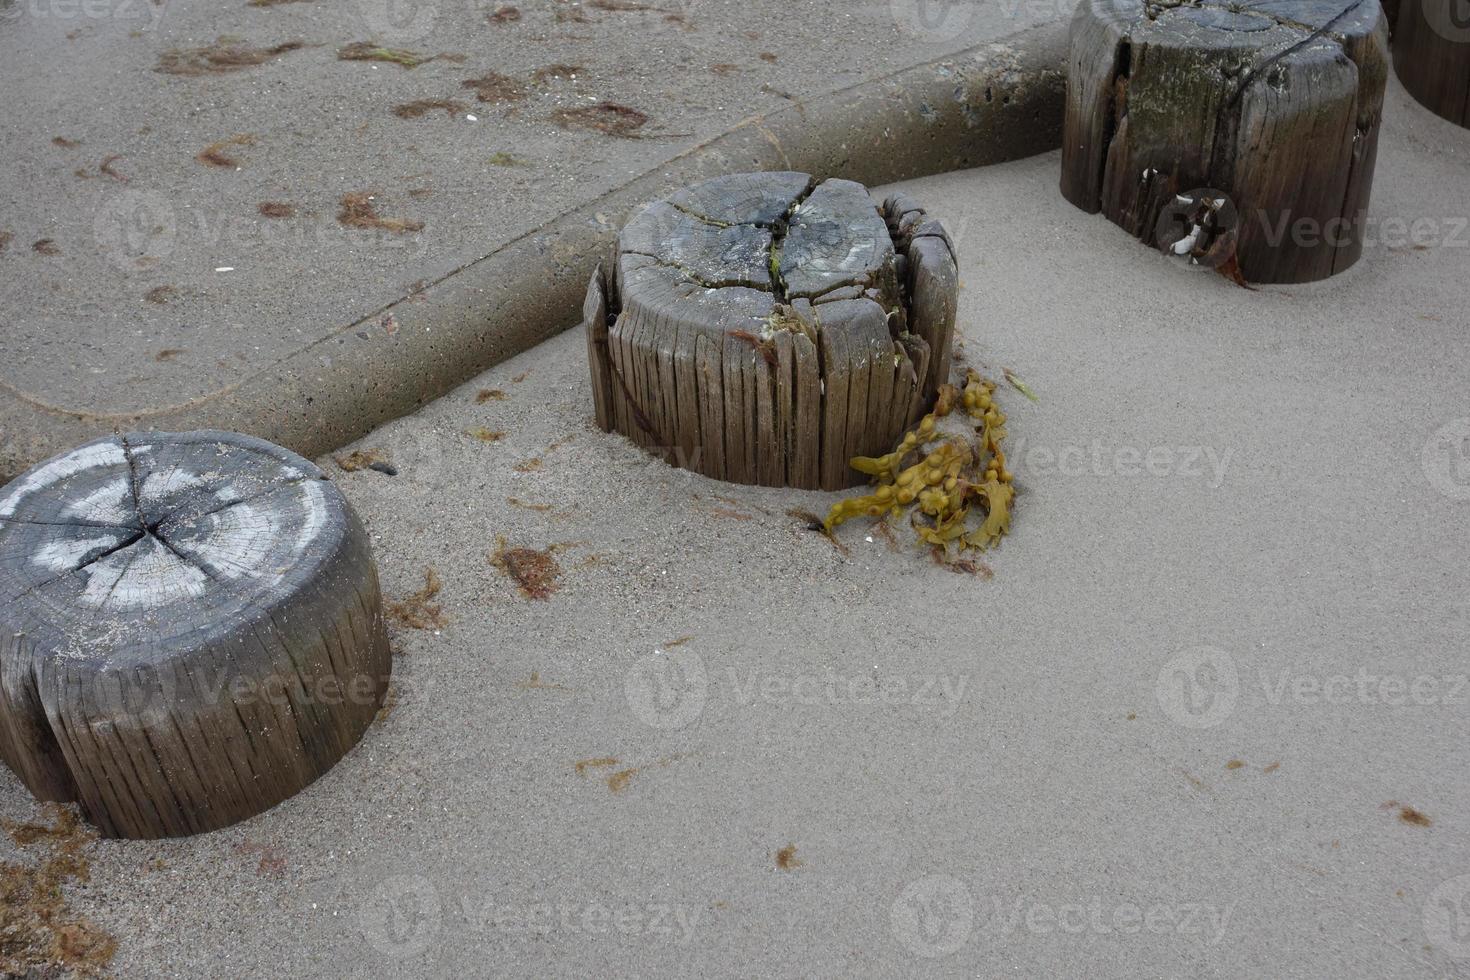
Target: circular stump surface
<point>190,629</point>
<point>1431,53</point>
<point>766,328</point>
<point>1276,103</point>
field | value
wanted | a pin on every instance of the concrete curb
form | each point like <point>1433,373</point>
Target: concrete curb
<point>988,104</point>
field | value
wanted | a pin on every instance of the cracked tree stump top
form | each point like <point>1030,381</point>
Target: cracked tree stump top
<point>1273,104</point>
<point>190,629</point>
<point>1431,53</point>
<point>765,328</point>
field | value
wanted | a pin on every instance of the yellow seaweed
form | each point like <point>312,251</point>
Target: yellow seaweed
<point>946,479</point>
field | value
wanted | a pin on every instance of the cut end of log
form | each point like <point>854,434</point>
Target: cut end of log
<point>766,328</point>
<point>190,629</point>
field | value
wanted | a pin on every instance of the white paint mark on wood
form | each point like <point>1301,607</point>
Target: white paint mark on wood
<point>65,555</point>
<point>111,503</point>
<point>74,462</point>
<point>238,542</point>
<point>148,576</point>
<point>315,518</point>
<point>158,485</point>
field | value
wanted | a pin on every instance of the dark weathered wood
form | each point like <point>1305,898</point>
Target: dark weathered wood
<point>190,630</point>
<point>1277,103</point>
<point>1431,53</point>
<point>765,328</point>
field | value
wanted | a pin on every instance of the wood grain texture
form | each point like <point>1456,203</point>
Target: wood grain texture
<point>765,328</point>
<point>1431,53</point>
<point>190,630</point>
<point>1277,103</point>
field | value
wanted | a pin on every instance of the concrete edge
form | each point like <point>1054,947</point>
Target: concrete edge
<point>994,102</point>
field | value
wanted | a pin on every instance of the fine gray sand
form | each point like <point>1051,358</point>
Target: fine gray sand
<point>1208,718</point>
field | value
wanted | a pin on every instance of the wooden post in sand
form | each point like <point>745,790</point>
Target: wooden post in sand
<point>190,630</point>
<point>766,328</point>
<point>1275,104</point>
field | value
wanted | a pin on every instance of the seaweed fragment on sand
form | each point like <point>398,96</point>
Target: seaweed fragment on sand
<point>40,936</point>
<point>367,51</point>
<point>358,459</point>
<point>418,610</point>
<point>214,154</point>
<point>493,87</point>
<point>422,107</point>
<point>223,56</point>
<point>957,490</point>
<point>357,211</point>
<point>608,118</point>
<point>535,573</point>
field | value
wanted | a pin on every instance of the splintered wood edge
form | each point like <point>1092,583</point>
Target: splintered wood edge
<point>816,330</point>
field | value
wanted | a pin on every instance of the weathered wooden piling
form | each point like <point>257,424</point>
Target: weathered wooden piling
<point>766,328</point>
<point>1276,104</point>
<point>190,630</point>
